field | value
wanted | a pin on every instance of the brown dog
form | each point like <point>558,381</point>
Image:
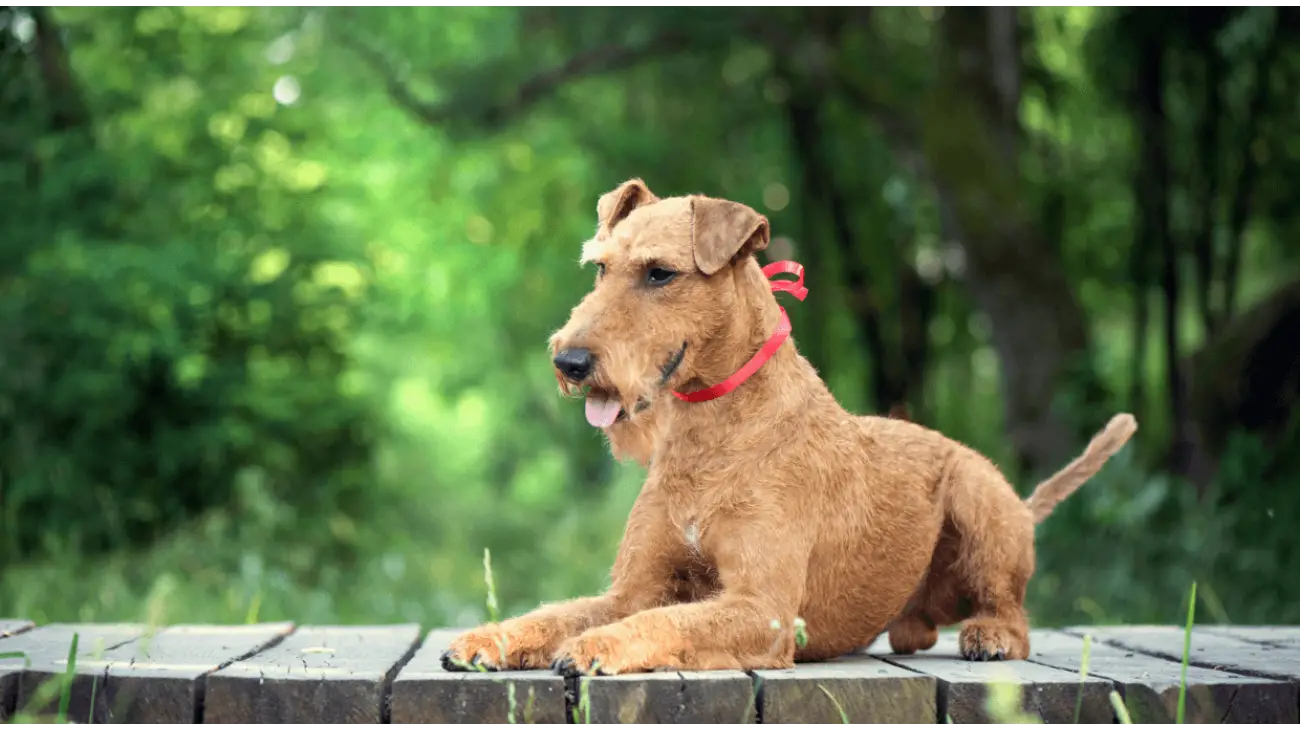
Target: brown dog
<point>769,501</point>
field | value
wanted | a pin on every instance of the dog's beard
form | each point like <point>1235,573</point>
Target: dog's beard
<point>635,440</point>
<point>623,386</point>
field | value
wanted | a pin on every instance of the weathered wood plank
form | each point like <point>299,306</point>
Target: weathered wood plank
<point>1150,684</point>
<point>14,626</point>
<point>866,689</point>
<point>8,677</point>
<point>318,674</point>
<point>424,692</point>
<point>46,649</point>
<point>1207,650</point>
<point>719,697</point>
<point>1049,693</point>
<point>1275,635</point>
<point>159,678</point>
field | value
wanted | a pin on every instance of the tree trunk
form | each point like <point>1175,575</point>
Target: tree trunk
<point>916,300</point>
<point>1153,201</point>
<point>1208,156</point>
<point>803,117</point>
<point>1247,179</point>
<point>971,138</point>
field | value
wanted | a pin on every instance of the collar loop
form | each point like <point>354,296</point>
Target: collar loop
<point>778,338</point>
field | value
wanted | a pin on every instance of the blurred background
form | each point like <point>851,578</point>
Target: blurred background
<point>276,286</point>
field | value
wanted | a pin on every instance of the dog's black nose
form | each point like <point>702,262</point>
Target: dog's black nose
<point>575,363</point>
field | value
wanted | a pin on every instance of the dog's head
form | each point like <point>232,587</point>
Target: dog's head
<point>669,276</point>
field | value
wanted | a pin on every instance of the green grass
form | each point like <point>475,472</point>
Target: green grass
<point>65,697</point>
<point>582,711</point>
<point>844,718</point>
<point>1083,675</point>
<point>1004,707</point>
<point>493,606</point>
<point>59,687</point>
<point>1121,712</point>
<point>1187,650</point>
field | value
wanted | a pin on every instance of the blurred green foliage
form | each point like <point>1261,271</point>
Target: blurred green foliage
<point>277,285</point>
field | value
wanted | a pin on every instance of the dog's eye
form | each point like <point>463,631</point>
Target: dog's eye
<point>659,276</point>
<point>600,270</point>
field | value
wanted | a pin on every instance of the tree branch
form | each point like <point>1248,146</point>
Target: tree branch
<point>596,61</point>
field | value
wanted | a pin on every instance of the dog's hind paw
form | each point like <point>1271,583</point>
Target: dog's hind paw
<point>982,655</point>
<point>983,640</point>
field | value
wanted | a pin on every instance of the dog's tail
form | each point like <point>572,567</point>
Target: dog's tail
<point>1062,484</point>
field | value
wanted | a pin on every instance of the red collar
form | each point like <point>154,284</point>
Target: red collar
<point>770,347</point>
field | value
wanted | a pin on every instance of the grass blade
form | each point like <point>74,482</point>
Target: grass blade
<point>1121,712</point>
<point>94,689</point>
<point>510,703</point>
<point>65,696</point>
<point>1005,704</point>
<point>1187,652</point>
<point>27,662</point>
<point>1083,675</point>
<point>800,633</point>
<point>844,718</point>
<point>254,608</point>
<point>493,608</point>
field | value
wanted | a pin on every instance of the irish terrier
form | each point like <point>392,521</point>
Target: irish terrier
<point>764,499</point>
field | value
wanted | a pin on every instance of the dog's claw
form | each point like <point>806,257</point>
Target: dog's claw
<point>565,666</point>
<point>476,664</point>
<point>449,663</point>
<point>982,655</point>
<point>481,666</point>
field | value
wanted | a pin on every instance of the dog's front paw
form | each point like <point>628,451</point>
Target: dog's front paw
<point>495,647</point>
<point>986,639</point>
<point>600,652</point>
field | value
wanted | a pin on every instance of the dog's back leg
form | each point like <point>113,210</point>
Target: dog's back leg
<point>912,632</point>
<point>991,566</point>
<point>940,601</point>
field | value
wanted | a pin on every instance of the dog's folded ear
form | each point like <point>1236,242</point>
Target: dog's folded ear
<point>723,231</point>
<point>619,203</point>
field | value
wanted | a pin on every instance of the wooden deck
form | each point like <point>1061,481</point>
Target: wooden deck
<point>278,672</point>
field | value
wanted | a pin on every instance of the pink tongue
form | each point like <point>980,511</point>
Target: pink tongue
<point>602,412</point>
